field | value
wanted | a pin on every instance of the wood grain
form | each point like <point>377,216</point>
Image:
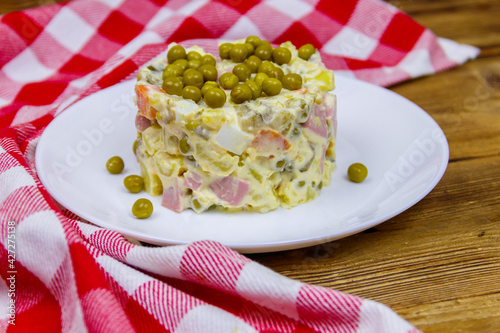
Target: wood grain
<point>7,6</point>
<point>438,263</point>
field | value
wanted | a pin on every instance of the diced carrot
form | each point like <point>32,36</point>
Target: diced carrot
<point>143,93</point>
<point>269,140</point>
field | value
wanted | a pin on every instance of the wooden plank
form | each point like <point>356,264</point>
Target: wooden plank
<point>437,264</point>
<point>468,21</point>
<point>7,6</point>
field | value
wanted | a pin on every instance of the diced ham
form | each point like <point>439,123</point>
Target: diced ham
<point>230,189</point>
<point>141,122</point>
<point>269,141</point>
<point>192,180</point>
<point>143,93</point>
<point>173,197</point>
<point>321,112</point>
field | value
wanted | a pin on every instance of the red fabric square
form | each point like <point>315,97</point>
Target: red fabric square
<point>41,93</point>
<point>189,29</point>
<point>25,27</point>
<point>119,28</point>
<point>118,74</point>
<point>354,64</point>
<point>242,6</point>
<point>402,33</point>
<point>298,35</point>
<point>88,273</point>
<point>80,65</point>
<point>337,9</point>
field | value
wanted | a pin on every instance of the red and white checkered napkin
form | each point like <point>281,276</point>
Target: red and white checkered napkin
<point>63,274</point>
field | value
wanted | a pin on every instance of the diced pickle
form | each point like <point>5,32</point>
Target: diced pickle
<point>256,175</point>
<point>184,146</point>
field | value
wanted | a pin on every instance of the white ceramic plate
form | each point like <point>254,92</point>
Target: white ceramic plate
<point>404,149</point>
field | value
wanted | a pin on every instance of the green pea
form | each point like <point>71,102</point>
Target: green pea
<point>193,55</point>
<point>191,92</point>
<point>238,53</point>
<point>241,93</point>
<point>115,165</point>
<point>176,52</point>
<point>182,63</point>
<point>259,78</point>
<point>184,146</point>
<point>134,146</point>
<point>281,55</point>
<point>224,50</point>
<point>133,183</point>
<point>292,81</point>
<point>142,208</point>
<point>256,89</point>
<point>208,85</point>
<point>195,64</point>
<point>208,59</point>
<point>254,40</point>
<point>172,70</point>
<point>209,72</point>
<point>263,52</point>
<point>267,44</point>
<point>228,80</point>
<point>242,72</point>
<point>253,62</point>
<point>265,67</point>
<point>250,49</point>
<point>193,78</point>
<point>306,51</point>
<point>172,85</point>
<point>357,172</point>
<point>215,98</point>
<point>271,86</point>
<point>276,72</point>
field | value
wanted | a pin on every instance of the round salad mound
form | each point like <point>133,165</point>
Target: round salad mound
<point>251,128</point>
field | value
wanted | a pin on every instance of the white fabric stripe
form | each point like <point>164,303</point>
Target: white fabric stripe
<point>269,289</point>
<point>69,29</point>
<point>127,277</point>
<point>456,52</point>
<point>26,67</point>
<point>208,319</point>
<point>293,8</point>
<point>4,102</point>
<point>380,316</point>
<point>33,233</point>
<point>13,179</point>
<point>163,261</point>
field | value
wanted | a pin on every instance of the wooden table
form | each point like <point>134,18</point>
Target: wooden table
<point>438,263</point>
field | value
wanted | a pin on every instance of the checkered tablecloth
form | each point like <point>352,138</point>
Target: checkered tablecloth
<point>63,274</point>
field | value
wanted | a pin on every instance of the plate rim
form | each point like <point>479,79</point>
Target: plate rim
<point>267,246</point>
